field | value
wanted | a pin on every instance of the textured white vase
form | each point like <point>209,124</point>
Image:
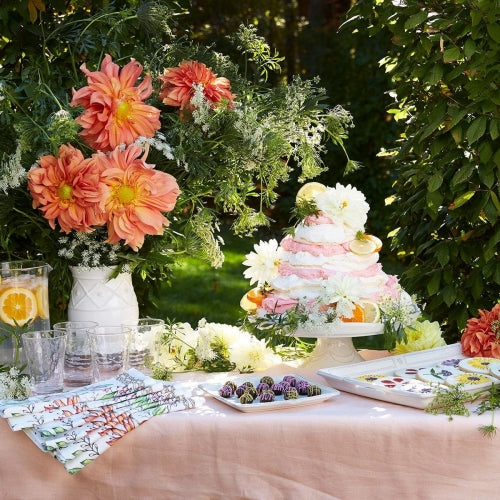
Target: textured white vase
<point>95,297</point>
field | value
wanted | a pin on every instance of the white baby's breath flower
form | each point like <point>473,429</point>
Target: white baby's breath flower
<point>13,385</point>
<point>344,291</point>
<point>250,354</point>
<point>345,205</point>
<point>263,263</point>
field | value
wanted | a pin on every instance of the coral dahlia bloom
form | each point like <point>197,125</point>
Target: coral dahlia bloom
<point>114,109</point>
<point>138,194</point>
<point>178,85</point>
<point>68,190</point>
<point>481,336</point>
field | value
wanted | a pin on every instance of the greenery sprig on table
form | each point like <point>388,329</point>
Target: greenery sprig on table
<point>453,401</point>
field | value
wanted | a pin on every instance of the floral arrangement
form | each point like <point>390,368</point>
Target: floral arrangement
<point>329,297</point>
<point>481,336</point>
<point>211,347</point>
<point>131,145</point>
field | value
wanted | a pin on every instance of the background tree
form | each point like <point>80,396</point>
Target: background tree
<point>444,67</point>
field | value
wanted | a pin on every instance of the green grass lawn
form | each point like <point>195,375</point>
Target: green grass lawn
<point>199,291</point>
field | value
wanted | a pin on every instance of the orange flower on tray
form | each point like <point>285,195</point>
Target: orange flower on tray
<point>68,190</point>
<point>114,109</point>
<point>138,194</point>
<point>178,86</point>
<point>481,336</point>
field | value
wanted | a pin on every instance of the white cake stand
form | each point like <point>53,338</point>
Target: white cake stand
<point>334,344</point>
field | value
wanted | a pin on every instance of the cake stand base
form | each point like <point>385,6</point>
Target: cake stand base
<point>332,351</point>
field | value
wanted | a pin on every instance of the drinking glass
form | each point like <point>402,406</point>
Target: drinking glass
<point>108,351</point>
<point>143,343</point>
<point>45,357</point>
<point>77,359</point>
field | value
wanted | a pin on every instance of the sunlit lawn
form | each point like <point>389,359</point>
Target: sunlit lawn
<point>199,291</point>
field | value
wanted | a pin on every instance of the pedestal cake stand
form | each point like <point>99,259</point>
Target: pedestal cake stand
<point>334,344</point>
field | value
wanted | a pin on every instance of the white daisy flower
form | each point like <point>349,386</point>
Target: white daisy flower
<point>263,263</point>
<point>344,291</point>
<point>344,205</point>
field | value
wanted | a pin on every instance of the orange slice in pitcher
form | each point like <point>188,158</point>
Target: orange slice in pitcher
<point>17,306</point>
<point>42,301</point>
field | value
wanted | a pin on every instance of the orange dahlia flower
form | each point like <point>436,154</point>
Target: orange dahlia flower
<point>481,336</point>
<point>177,85</point>
<point>138,194</point>
<point>68,190</point>
<point>114,112</point>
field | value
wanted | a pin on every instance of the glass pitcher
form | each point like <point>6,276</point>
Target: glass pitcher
<point>24,305</point>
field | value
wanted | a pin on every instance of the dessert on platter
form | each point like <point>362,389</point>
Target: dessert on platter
<point>324,279</point>
<point>264,393</point>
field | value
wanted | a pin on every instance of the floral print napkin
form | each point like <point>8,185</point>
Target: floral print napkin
<point>77,426</point>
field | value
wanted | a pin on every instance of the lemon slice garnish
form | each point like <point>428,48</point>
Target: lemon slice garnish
<point>309,191</point>
<point>372,311</point>
<point>362,247</point>
<point>247,305</point>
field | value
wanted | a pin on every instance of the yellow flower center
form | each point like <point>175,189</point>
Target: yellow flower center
<point>65,192</point>
<point>125,194</point>
<point>123,110</point>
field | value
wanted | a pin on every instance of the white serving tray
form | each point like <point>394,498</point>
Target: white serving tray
<point>344,377</point>
<point>278,404</point>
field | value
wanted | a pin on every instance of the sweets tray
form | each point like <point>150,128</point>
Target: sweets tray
<point>344,377</point>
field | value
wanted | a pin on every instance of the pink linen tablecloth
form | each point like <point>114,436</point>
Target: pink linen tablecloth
<point>346,448</point>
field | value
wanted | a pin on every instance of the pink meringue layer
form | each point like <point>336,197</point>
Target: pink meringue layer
<point>315,273</point>
<point>278,305</point>
<point>290,245</point>
<point>316,220</point>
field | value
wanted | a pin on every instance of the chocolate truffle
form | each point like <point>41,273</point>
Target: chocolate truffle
<point>291,393</point>
<point>246,399</point>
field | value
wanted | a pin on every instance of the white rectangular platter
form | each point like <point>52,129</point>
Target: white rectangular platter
<point>278,404</point>
<point>344,377</point>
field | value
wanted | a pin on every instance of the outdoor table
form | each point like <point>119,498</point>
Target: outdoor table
<point>348,448</point>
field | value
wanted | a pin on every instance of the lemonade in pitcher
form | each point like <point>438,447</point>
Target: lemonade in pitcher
<point>24,304</point>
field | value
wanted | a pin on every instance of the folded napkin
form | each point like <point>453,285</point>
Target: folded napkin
<point>77,426</point>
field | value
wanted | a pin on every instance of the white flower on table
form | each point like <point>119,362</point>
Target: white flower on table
<point>177,352</point>
<point>263,262</point>
<point>250,354</point>
<point>345,205</point>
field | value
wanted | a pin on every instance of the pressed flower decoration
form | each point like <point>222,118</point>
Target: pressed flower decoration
<point>132,150</point>
<point>481,336</point>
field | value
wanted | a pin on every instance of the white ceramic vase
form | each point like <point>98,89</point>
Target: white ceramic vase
<point>95,297</point>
